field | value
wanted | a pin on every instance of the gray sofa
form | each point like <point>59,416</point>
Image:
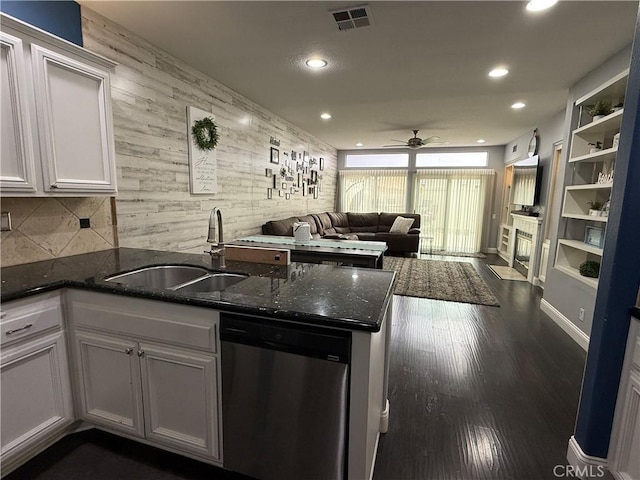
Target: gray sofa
<point>354,226</point>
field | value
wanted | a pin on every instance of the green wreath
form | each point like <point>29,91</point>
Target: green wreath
<point>205,133</point>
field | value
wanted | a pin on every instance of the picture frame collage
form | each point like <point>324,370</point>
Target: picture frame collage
<point>295,173</point>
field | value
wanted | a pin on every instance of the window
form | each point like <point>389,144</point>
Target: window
<point>373,160</point>
<point>373,191</point>
<point>459,159</point>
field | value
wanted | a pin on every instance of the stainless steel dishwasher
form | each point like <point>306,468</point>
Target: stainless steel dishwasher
<point>284,400</point>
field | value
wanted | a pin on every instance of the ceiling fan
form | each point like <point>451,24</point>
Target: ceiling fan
<point>415,142</point>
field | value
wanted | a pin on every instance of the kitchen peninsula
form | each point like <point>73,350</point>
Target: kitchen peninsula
<point>150,331</point>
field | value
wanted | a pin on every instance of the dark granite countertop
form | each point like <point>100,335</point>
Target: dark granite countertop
<point>323,295</point>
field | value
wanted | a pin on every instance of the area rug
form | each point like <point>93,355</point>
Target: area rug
<point>440,280</point>
<point>507,273</point>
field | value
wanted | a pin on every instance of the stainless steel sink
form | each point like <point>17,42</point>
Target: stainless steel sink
<point>166,276</point>
<point>212,283</point>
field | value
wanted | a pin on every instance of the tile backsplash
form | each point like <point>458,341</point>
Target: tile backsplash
<point>46,228</point>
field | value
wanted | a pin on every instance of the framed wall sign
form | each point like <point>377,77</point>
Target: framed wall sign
<point>203,166</point>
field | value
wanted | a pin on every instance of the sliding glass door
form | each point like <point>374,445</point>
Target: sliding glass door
<point>452,205</point>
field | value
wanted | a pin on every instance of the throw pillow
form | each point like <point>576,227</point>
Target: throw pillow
<point>401,225</point>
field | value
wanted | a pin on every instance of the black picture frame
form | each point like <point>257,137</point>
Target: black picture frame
<point>269,193</point>
<point>305,157</point>
<point>321,163</point>
<point>275,181</point>
<point>274,155</point>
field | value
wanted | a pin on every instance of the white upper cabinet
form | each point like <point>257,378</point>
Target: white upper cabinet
<point>16,155</point>
<point>60,118</point>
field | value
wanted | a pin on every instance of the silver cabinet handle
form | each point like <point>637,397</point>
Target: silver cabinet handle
<point>16,330</point>
<point>140,353</point>
<point>129,351</point>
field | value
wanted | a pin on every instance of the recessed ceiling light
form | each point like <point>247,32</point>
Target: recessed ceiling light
<point>359,144</point>
<point>538,5</point>
<point>481,140</point>
<point>518,105</point>
<point>498,72</point>
<point>316,63</point>
<point>325,116</point>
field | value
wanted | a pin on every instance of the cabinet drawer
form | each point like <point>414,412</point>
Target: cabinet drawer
<point>26,319</point>
<point>144,319</point>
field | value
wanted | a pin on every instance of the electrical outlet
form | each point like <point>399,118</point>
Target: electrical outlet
<point>581,315</point>
<point>6,222</point>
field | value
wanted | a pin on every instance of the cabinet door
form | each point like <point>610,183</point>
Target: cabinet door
<point>36,394</point>
<point>74,123</point>
<point>180,399</point>
<point>110,382</point>
<point>17,172</point>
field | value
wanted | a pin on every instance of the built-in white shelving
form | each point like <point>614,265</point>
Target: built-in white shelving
<point>592,157</point>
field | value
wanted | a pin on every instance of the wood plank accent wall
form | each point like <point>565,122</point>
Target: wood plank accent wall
<point>151,90</point>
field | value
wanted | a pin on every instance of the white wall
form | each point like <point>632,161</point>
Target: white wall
<point>151,90</point>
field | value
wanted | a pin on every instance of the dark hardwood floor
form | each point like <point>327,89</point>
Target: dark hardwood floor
<point>476,392</point>
<point>479,392</point>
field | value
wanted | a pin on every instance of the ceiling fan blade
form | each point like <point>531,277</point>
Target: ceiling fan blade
<point>431,139</point>
<point>401,141</point>
<point>403,145</point>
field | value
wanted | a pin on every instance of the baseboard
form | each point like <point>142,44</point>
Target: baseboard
<point>565,324</point>
<point>492,251</point>
<point>384,418</point>
<point>585,466</point>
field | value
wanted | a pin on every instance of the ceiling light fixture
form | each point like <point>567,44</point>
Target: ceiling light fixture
<point>539,5</point>
<point>359,144</point>
<point>316,63</point>
<point>325,116</point>
<point>481,140</point>
<point>518,105</point>
<point>498,72</point>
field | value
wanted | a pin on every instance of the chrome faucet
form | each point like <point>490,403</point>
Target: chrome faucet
<point>216,236</point>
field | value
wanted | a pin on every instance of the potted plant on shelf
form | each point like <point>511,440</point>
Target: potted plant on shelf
<point>599,109</point>
<point>595,208</point>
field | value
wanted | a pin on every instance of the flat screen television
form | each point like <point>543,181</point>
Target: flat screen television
<point>527,175</point>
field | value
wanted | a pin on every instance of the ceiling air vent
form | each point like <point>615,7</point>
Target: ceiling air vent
<point>352,17</point>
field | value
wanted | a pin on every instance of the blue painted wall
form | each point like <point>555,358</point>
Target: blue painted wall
<point>61,18</point>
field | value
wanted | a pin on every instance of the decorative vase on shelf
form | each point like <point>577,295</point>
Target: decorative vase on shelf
<point>598,117</point>
<point>594,213</point>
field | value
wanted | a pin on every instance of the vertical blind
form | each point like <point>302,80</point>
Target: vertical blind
<point>452,203</point>
<point>524,185</point>
<point>373,191</point>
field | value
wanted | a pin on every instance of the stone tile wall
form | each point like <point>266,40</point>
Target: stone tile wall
<point>46,228</point>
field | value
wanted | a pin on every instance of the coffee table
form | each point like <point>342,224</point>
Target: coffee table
<point>348,252</point>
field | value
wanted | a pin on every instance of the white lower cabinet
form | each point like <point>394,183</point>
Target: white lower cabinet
<point>36,394</point>
<point>132,378</point>
<point>110,383</point>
